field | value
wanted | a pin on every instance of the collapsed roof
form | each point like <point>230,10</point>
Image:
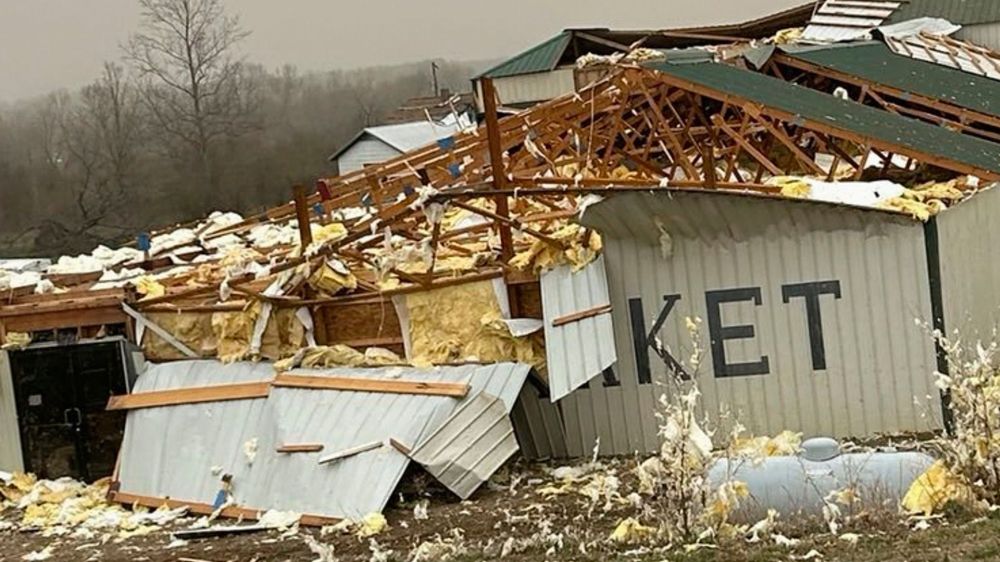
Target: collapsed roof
<point>437,216</point>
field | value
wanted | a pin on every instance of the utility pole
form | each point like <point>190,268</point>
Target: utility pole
<point>434,75</point>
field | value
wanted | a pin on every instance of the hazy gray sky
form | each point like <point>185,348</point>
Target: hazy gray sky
<point>50,44</point>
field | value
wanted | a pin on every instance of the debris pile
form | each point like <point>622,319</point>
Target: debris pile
<point>66,507</point>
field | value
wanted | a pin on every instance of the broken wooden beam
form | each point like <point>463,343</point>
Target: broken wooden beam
<point>195,395</point>
<point>350,452</point>
<point>581,315</point>
<point>359,384</point>
<point>300,448</point>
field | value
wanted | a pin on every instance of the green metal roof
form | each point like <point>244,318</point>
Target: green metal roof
<point>962,12</point>
<point>876,63</point>
<point>841,114</point>
<point>540,58</point>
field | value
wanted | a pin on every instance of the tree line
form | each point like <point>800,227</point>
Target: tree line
<point>181,126</point>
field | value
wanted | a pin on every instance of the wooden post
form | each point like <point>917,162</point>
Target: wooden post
<point>306,238</point>
<point>499,183</point>
<point>496,163</point>
<point>302,215</point>
<point>708,160</point>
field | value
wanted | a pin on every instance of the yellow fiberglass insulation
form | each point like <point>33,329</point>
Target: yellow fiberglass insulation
<point>338,356</point>
<point>282,336</point>
<point>225,334</point>
<point>462,323</point>
<point>581,246</point>
<point>193,329</point>
<point>329,280</point>
<point>233,331</point>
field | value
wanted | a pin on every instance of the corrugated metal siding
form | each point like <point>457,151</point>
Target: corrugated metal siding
<point>968,238</point>
<point>11,459</point>
<point>367,150</point>
<point>837,20</point>
<point>539,426</point>
<point>469,446</point>
<point>878,361</point>
<point>581,350</point>
<point>985,35</point>
<point>532,88</point>
<point>169,452</point>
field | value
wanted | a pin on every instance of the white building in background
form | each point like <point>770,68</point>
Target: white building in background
<point>373,145</point>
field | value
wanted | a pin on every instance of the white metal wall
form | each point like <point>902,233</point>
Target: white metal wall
<point>985,35</point>
<point>531,88</point>
<point>367,150</point>
<point>969,239</point>
<point>877,360</point>
<point>11,458</point>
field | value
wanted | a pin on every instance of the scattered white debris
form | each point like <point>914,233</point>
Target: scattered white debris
<point>35,556</point>
<point>811,555</point>
<point>850,538</point>
<point>279,519</point>
<point>250,450</point>
<point>783,541</point>
<point>177,543</point>
<point>420,510</point>
<point>323,551</point>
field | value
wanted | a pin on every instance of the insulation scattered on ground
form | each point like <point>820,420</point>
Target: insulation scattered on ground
<point>68,507</point>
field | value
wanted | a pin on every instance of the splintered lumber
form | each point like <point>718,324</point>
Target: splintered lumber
<point>300,448</point>
<point>234,512</point>
<point>196,395</point>
<point>399,446</point>
<point>358,384</point>
<point>581,315</point>
<point>350,452</point>
<point>217,531</point>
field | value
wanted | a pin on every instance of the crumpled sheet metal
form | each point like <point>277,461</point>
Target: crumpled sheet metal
<point>578,351</point>
<point>170,451</point>
<point>470,445</point>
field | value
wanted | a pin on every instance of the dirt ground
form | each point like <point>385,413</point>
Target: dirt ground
<point>511,515</point>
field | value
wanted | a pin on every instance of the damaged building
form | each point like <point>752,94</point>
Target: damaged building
<point>807,214</point>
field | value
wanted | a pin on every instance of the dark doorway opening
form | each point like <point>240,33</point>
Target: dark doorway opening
<point>61,392</point>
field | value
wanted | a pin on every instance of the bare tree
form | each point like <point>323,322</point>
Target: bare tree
<point>95,152</point>
<point>194,87</point>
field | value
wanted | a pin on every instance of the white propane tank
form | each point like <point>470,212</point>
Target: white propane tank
<point>796,484</point>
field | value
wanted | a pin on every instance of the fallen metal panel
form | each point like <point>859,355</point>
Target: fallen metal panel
<point>539,426</point>
<point>11,459</point>
<point>469,446</point>
<point>839,20</point>
<point>171,451</point>
<point>580,350</point>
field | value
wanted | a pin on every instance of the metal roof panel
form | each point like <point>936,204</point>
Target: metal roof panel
<point>171,451</point>
<point>540,58</point>
<point>875,62</point>
<point>843,115</point>
<point>962,12</point>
